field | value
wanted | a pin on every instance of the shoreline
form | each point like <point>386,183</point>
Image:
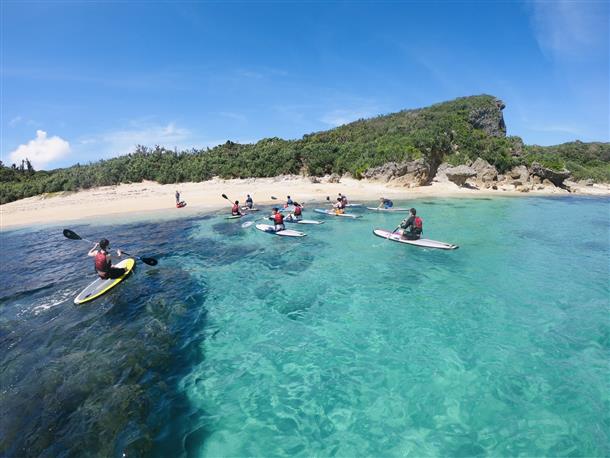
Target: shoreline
<point>137,200</point>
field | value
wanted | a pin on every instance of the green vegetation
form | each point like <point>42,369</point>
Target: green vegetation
<point>457,131</point>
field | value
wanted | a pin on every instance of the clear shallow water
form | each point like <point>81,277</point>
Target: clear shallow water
<point>340,343</point>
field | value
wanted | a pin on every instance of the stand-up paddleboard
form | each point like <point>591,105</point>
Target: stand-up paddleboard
<point>333,213</point>
<point>286,232</point>
<point>354,205</point>
<point>300,221</point>
<point>246,209</point>
<point>234,216</point>
<point>391,209</point>
<point>423,243</point>
<point>100,287</point>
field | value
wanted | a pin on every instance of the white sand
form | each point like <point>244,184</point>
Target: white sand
<point>144,199</point>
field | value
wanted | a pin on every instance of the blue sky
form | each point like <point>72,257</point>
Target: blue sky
<point>88,80</point>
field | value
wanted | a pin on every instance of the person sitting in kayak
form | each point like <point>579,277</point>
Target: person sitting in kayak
<point>412,227</point>
<point>103,262</point>
<point>289,202</point>
<point>235,209</point>
<point>297,213</point>
<point>249,202</point>
<point>385,203</point>
<point>278,220</point>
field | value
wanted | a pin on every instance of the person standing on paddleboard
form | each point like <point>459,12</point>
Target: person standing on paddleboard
<point>235,209</point>
<point>249,202</point>
<point>412,227</point>
<point>177,197</point>
<point>103,262</point>
<point>278,220</point>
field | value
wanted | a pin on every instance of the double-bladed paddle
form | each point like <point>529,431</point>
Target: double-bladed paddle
<point>74,236</point>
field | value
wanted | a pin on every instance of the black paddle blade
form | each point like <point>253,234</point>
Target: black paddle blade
<point>225,196</point>
<point>71,235</point>
<point>149,261</point>
<point>273,198</point>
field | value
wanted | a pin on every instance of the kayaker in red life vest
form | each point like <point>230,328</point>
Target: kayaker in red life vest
<point>235,209</point>
<point>297,213</point>
<point>103,262</point>
<point>278,220</point>
<point>412,227</point>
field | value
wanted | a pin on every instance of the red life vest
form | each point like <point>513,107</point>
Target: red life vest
<point>235,209</point>
<point>102,263</point>
<point>278,218</point>
<point>297,211</point>
<point>418,224</point>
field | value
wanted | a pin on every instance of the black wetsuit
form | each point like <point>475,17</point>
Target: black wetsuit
<point>411,231</point>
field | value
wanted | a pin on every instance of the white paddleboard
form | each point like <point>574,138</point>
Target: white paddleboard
<point>332,213</point>
<point>391,209</point>
<point>286,232</point>
<point>300,221</point>
<point>423,243</point>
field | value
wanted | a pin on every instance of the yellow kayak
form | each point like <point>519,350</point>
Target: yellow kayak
<point>100,286</point>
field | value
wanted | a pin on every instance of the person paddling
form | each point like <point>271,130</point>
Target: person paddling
<point>235,209</point>
<point>338,206</point>
<point>385,203</point>
<point>289,201</point>
<point>278,220</point>
<point>297,213</point>
<point>249,202</point>
<point>343,199</point>
<point>103,261</point>
<point>412,227</point>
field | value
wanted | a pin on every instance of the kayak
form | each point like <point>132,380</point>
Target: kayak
<point>332,213</point>
<point>300,221</point>
<point>423,243</point>
<point>234,216</point>
<point>391,209</point>
<point>286,232</point>
<point>100,286</point>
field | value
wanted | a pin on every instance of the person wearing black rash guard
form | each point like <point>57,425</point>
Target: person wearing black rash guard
<point>103,263</point>
<point>412,227</point>
<point>249,202</point>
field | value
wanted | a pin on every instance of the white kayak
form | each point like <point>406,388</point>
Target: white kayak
<point>300,221</point>
<point>423,243</point>
<point>333,213</point>
<point>286,232</point>
<point>391,209</point>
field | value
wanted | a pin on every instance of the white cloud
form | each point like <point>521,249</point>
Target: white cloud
<point>570,28</point>
<point>42,150</point>
<point>339,117</point>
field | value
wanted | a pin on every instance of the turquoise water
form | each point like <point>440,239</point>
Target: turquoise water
<point>336,344</point>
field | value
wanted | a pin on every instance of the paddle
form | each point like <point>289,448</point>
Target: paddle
<point>74,236</point>
<point>231,202</point>
<point>273,198</point>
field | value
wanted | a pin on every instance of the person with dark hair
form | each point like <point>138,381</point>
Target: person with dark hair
<point>296,214</point>
<point>278,220</point>
<point>235,209</point>
<point>412,227</point>
<point>249,202</point>
<point>103,262</point>
<point>177,197</point>
<point>289,201</point>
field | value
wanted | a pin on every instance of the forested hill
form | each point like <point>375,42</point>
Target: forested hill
<point>457,132</point>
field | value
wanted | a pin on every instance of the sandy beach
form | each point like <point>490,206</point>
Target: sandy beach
<point>130,200</point>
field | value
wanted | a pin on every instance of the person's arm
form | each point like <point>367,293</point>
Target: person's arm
<point>93,251</point>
